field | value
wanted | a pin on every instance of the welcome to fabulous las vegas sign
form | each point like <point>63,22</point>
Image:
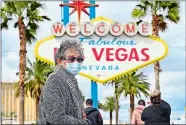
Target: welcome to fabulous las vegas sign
<point>111,49</point>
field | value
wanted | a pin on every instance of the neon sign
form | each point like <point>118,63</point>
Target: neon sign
<point>111,49</point>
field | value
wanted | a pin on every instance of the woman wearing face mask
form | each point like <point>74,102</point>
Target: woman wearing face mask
<point>60,100</point>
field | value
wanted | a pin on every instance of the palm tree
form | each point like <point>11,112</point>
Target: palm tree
<point>109,105</point>
<point>100,105</point>
<point>26,16</point>
<point>115,83</point>
<point>117,95</point>
<point>133,84</point>
<point>160,11</point>
<point>36,75</point>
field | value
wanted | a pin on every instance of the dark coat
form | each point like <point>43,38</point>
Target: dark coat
<point>157,114</point>
<point>94,114</point>
<point>61,100</point>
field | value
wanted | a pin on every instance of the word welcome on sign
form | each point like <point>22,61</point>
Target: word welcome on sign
<point>107,56</point>
<point>102,29</point>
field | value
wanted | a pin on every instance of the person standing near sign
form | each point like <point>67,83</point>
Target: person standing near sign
<point>61,101</point>
<point>136,115</point>
<point>158,113</point>
<point>92,113</point>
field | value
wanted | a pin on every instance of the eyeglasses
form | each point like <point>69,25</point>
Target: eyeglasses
<point>71,59</point>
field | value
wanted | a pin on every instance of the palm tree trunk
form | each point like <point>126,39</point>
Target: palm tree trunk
<point>116,109</point>
<point>22,65</point>
<point>155,32</point>
<point>155,26</point>
<point>156,73</point>
<point>131,106</point>
<point>37,103</point>
<point>110,117</point>
<point>116,102</point>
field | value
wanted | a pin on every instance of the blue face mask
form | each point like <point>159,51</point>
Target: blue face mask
<point>73,68</point>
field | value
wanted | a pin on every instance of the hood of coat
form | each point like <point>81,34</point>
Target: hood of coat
<point>90,110</point>
<point>163,108</point>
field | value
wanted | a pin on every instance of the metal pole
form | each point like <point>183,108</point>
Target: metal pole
<point>65,13</point>
<point>94,87</point>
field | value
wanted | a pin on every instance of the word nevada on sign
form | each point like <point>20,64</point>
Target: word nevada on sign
<point>111,49</point>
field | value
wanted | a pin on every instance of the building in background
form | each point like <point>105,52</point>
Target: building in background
<point>10,105</point>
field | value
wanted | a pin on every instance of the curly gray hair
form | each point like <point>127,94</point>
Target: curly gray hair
<point>66,45</point>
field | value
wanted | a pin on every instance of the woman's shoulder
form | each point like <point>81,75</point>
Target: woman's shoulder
<point>55,81</point>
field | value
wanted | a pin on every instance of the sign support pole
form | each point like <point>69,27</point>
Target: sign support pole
<point>94,93</point>
<point>65,13</point>
<point>94,87</point>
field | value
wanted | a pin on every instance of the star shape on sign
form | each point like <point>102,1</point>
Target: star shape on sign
<point>79,6</point>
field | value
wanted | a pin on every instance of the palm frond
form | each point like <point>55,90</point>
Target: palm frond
<point>138,22</point>
<point>142,7</point>
<point>173,4</point>
<point>100,106</point>
<point>138,95</point>
<point>36,75</point>
<point>163,4</point>
<point>147,3</point>
<point>35,5</point>
<point>9,8</point>
<point>163,26</point>
<point>29,62</point>
<point>31,25</point>
<point>138,13</point>
<point>45,17</point>
<point>16,89</point>
<point>173,15</point>
<point>15,24</point>
<point>30,35</point>
<point>5,20</point>
<point>134,83</point>
<point>27,10</point>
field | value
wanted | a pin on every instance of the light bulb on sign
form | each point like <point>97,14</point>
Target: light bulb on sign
<point>145,28</point>
<point>102,29</point>
<point>58,29</point>
<point>87,29</point>
<point>72,29</point>
<point>116,29</point>
<point>130,29</point>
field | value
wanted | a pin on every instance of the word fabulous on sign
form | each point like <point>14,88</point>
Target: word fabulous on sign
<point>111,50</point>
<point>102,29</point>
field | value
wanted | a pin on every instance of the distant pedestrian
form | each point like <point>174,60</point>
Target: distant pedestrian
<point>158,113</point>
<point>93,114</point>
<point>136,116</point>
